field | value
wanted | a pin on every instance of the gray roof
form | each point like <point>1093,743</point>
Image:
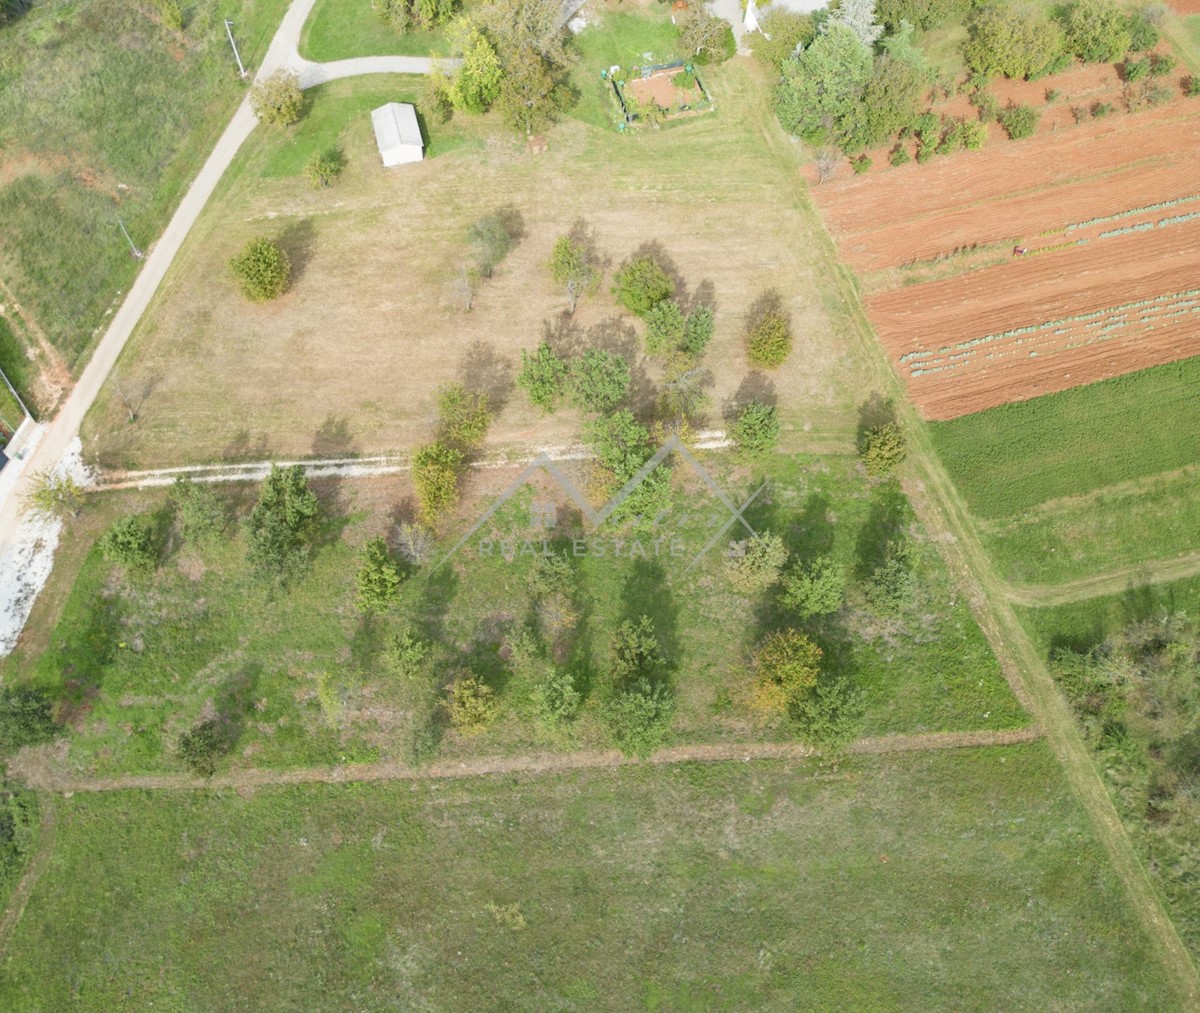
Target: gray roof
<point>396,126</point>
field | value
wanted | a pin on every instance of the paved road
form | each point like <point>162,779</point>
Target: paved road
<point>56,436</point>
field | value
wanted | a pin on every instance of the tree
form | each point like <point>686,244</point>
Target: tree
<point>1142,25</point>
<point>639,704</point>
<point>414,543</point>
<point>599,381</point>
<point>756,430</point>
<point>1013,42</point>
<point>464,286</point>
<point>492,237</point>
<point>527,26</point>
<point>323,167</point>
<point>573,266</point>
<point>822,84</point>
<point>922,14</point>
<point>436,103</point>
<point>829,716</point>
<point>556,699</point>
<point>26,717</point>
<point>781,33</point>
<point>700,34</point>
<point>664,327</point>
<point>405,15</point>
<point>859,17</point>
<point>130,543</point>
<point>893,584</point>
<point>682,392</point>
<point>262,270</point>
<point>817,589</point>
<point>890,100</point>
<point>202,745</point>
<point>435,474</point>
<point>283,522</point>
<point>640,283</point>
<point>543,377</point>
<point>471,704</point>
<point>621,443</point>
<point>769,337</point>
<point>477,83</point>
<point>883,449</point>
<point>698,331</point>
<point>378,578</point>
<point>278,98</point>
<point>1097,31</point>
<point>200,513</point>
<point>532,92</point>
<point>55,494</point>
<point>462,416</point>
<point>1018,122</point>
<point>757,564</point>
<point>786,667</point>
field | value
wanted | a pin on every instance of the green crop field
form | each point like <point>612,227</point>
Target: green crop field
<point>1085,480</point>
<point>965,880</point>
<point>104,113</point>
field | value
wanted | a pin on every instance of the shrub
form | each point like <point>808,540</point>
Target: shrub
<point>55,494</point>
<point>1014,42</point>
<point>435,474</point>
<point>543,377</point>
<point>1143,32</point>
<point>1019,121</point>
<point>598,381</point>
<point>1191,86</point>
<point>769,338</point>
<point>462,416</point>
<point>262,270</point>
<point>860,164</point>
<point>882,449</point>
<point>406,654</point>
<point>786,667</point>
<point>556,699</point>
<point>278,99</point>
<point>974,135</point>
<point>551,574</point>
<point>199,512</point>
<point>26,717</point>
<point>756,430</point>
<point>639,705</point>
<point>893,584</point>
<point>1053,95</point>
<point>378,578</point>
<point>130,543</point>
<point>1132,71</point>
<point>815,590</point>
<point>1101,109</point>
<point>640,283</point>
<point>665,327</point>
<point>925,151</point>
<point>829,716</point>
<point>988,106</point>
<point>171,12</point>
<point>202,745</point>
<point>757,567</point>
<point>1097,31</point>
<point>697,331</point>
<point>436,103</point>
<point>899,155</point>
<point>323,167</point>
<point>926,126</point>
<point>283,522</point>
<point>1161,64</point>
<point>470,704</point>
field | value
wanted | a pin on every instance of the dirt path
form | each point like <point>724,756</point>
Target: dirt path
<point>23,889</point>
<point>534,763</point>
<point>1160,571</point>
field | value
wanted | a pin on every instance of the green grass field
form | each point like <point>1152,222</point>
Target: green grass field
<point>14,363</point>
<point>137,660</point>
<point>342,29</point>
<point>105,114</point>
<point>952,881</point>
<point>1085,480</point>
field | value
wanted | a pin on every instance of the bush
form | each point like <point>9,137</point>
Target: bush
<point>922,14</point>
<point>556,699</point>
<point>860,164</point>
<point>323,167</point>
<point>697,331</point>
<point>762,558</point>
<point>199,512</point>
<point>551,574</point>
<point>171,12</point>
<point>1132,71</point>
<point>1014,42</point>
<point>927,126</point>
<point>665,327</point>
<point>202,745</point>
<point>786,667</point>
<point>1097,31</point>
<point>470,704</point>
<point>599,381</point>
<point>883,449</point>
<point>815,590</point>
<point>641,283</point>
<point>893,585</point>
<point>1191,86</point>
<point>130,542</point>
<point>436,103</point>
<point>406,654</point>
<point>1019,121</point>
<point>262,270</point>
<point>1161,64</point>
<point>769,337</point>
<point>55,494</point>
<point>1143,32</point>
<point>1101,109</point>
<point>283,522</point>
<point>435,474</point>
<point>278,99</point>
<point>638,707</point>
<point>378,578</point>
<point>756,430</point>
<point>828,718</point>
<point>26,717</point>
<point>462,417</point>
<point>899,155</point>
<point>543,377</point>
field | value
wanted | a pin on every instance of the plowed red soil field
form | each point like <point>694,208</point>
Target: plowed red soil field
<point>1109,214</point>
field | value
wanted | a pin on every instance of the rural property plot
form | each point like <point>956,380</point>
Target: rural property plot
<point>1109,215</point>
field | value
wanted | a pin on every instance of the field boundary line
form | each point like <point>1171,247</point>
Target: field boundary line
<point>1125,578</point>
<point>33,871</point>
<point>530,763</point>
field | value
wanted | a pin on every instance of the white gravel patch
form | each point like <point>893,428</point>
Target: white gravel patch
<point>26,563</point>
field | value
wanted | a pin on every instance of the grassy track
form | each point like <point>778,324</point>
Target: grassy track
<point>105,113</point>
<point>941,881</point>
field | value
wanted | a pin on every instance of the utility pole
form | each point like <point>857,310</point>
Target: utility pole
<point>137,254</point>
<point>236,55</point>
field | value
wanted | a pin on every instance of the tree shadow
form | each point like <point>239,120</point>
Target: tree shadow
<point>513,221</point>
<point>647,592</point>
<point>877,410</point>
<point>887,518</point>
<point>482,371</point>
<point>619,337</point>
<point>812,531</point>
<point>769,302</point>
<point>246,447</point>
<point>755,386</point>
<point>296,239</point>
<point>334,516</point>
<point>565,337</point>
<point>234,700</point>
<point>333,438</point>
<point>705,295</point>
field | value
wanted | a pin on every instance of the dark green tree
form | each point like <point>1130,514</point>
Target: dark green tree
<point>283,522</point>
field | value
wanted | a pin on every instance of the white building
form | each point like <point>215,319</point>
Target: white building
<point>397,134</point>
